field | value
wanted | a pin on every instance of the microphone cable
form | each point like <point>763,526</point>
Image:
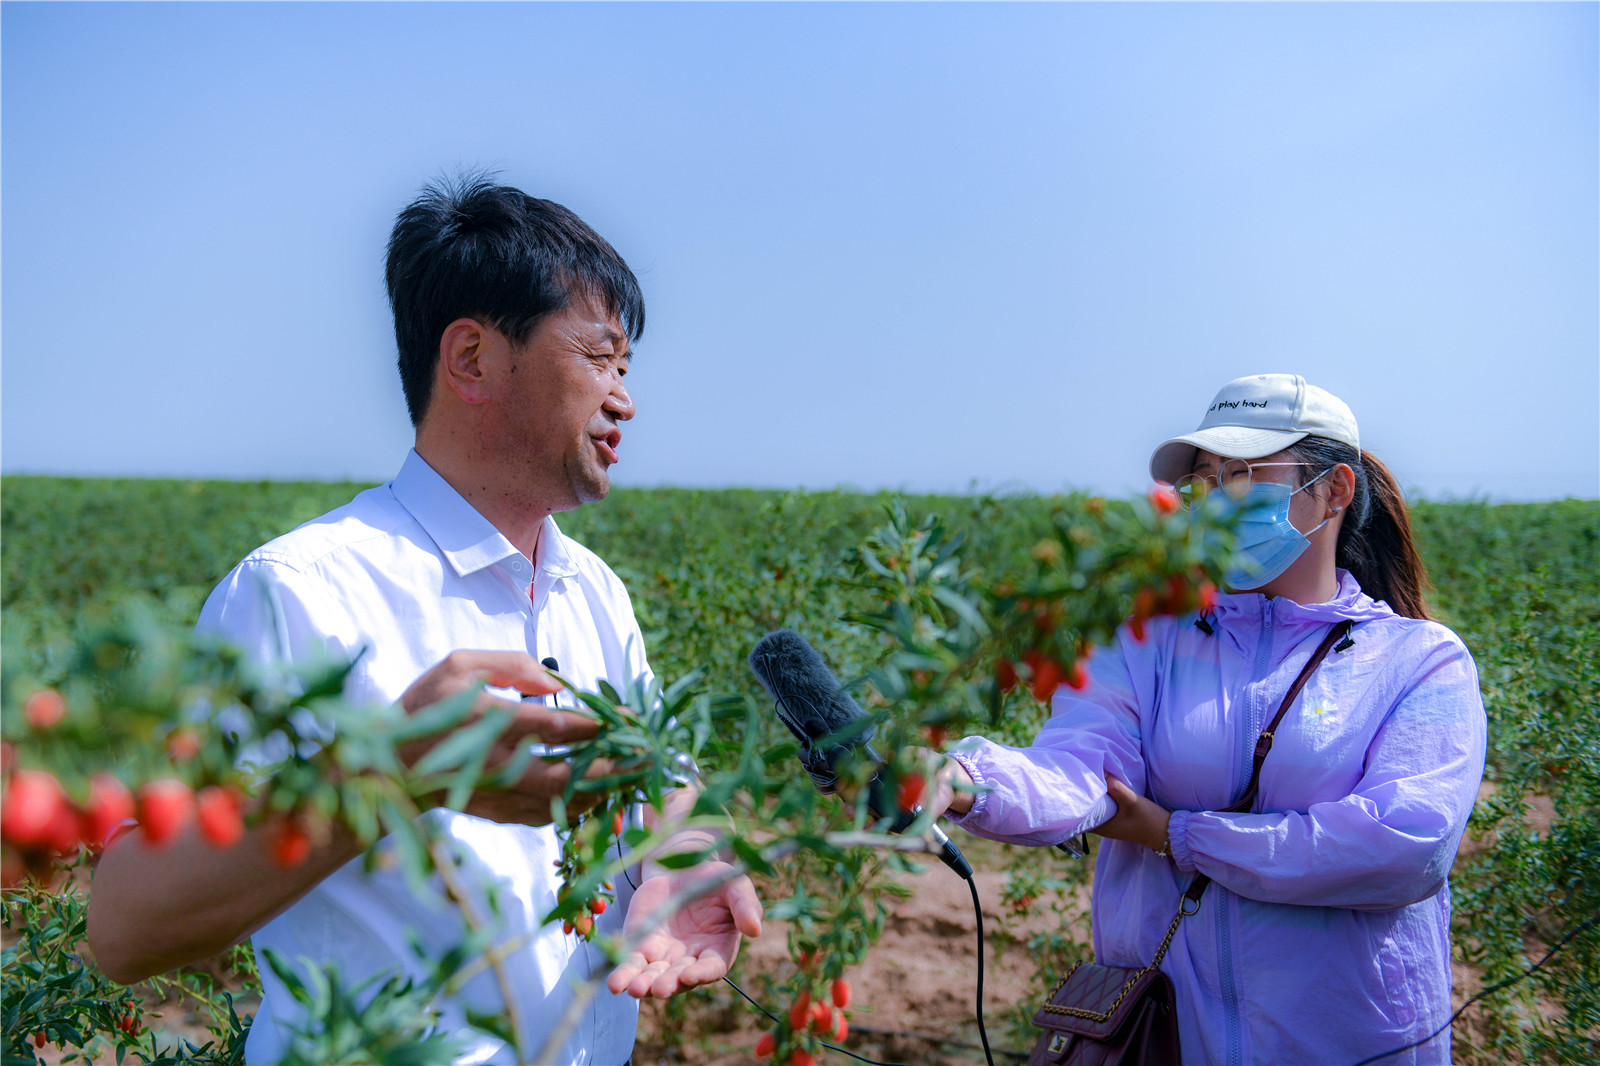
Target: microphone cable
<point>977,911</point>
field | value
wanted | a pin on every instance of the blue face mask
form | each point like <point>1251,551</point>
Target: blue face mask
<point>1267,541</point>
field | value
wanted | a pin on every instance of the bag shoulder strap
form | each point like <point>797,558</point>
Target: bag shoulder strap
<point>1191,896</point>
<point>1264,741</point>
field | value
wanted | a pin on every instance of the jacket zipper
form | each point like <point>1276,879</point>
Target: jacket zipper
<point>1230,988</point>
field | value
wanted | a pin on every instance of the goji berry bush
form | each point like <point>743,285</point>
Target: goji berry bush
<point>951,614</point>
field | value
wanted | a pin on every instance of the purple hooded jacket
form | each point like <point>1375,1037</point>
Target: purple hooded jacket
<point>1325,937</point>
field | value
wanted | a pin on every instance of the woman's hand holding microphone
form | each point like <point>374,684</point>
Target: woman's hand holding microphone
<point>944,775</point>
<point>1138,820</point>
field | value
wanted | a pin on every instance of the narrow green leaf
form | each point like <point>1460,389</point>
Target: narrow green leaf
<point>442,716</point>
<point>458,746</point>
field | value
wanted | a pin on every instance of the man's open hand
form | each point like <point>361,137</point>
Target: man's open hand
<point>527,801</point>
<point>698,943</point>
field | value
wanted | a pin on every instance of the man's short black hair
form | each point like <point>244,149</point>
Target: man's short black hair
<point>468,248</point>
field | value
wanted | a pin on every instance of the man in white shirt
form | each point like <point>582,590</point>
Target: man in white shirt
<point>514,322</point>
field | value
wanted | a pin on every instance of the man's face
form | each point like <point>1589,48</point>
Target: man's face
<point>564,402</point>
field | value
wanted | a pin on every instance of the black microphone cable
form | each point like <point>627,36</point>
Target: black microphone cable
<point>977,910</point>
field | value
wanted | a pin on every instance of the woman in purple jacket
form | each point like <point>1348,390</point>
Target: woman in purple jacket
<point>1325,935</point>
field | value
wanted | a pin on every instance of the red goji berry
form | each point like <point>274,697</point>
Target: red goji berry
<point>1046,679</point>
<point>165,807</point>
<point>800,1011</point>
<point>44,708</point>
<point>1005,675</point>
<point>1163,499</point>
<point>291,841</point>
<point>912,786</point>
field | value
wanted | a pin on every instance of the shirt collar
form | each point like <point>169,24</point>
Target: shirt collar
<point>552,556</point>
<point>467,540</point>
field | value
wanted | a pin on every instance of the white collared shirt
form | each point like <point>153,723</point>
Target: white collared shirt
<point>403,575</point>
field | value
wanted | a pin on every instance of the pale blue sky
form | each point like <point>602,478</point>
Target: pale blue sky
<point>923,246</point>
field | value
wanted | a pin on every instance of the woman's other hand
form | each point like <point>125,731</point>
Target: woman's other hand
<point>1137,819</point>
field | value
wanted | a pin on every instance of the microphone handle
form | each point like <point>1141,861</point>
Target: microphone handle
<point>882,804</point>
<point>949,854</point>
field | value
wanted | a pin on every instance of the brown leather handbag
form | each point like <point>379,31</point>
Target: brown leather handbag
<point>1127,1015</point>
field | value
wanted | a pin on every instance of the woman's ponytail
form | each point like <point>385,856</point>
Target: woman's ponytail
<point>1375,541</point>
<point>1387,563</point>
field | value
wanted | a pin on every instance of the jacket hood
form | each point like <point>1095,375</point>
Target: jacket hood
<point>1349,602</point>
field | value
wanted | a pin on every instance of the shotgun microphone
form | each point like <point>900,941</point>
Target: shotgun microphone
<point>828,724</point>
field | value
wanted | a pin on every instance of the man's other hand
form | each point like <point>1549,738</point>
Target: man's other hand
<point>527,801</point>
<point>697,943</point>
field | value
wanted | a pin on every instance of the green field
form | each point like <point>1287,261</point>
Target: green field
<point>712,571</point>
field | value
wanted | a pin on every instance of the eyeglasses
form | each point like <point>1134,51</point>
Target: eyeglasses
<point>1234,478</point>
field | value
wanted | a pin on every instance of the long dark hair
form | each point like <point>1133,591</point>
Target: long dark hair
<point>1375,541</point>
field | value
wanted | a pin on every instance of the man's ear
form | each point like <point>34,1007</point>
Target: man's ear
<point>466,354</point>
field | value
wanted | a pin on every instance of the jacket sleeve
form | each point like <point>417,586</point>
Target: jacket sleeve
<point>1388,844</point>
<point>1055,788</point>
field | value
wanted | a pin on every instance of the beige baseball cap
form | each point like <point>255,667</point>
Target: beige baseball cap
<point>1255,416</point>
